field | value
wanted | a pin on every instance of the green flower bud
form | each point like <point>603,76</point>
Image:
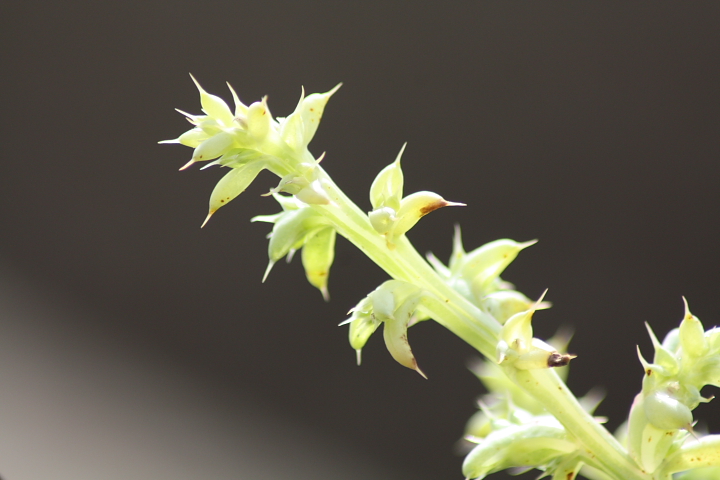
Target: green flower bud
<point>191,138</point>
<point>671,342</point>
<point>666,412</point>
<point>259,119</point>
<point>382,219</point>
<point>298,129</point>
<point>648,444</point>
<point>692,335</point>
<point>311,108</point>
<point>517,347</point>
<point>362,324</point>
<point>318,254</point>
<point>313,194</point>
<point>663,357</point>
<point>292,129</point>
<point>517,331</point>
<point>541,357</point>
<point>291,229</point>
<point>387,188</point>
<point>213,147</point>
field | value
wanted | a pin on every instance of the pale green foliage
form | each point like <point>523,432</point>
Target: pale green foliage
<point>529,419</point>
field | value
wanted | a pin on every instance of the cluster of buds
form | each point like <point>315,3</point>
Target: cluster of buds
<point>250,140</point>
<point>476,276</point>
<point>661,418</point>
<point>513,430</point>
<point>300,227</point>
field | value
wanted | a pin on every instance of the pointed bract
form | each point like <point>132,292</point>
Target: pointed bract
<point>233,184</point>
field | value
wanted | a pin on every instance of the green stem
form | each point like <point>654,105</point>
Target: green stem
<point>478,329</point>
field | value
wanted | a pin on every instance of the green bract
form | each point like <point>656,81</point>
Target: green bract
<point>393,215</point>
<point>393,303</point>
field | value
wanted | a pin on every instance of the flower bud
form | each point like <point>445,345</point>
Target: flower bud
<point>666,412</point>
<point>387,188</point>
<point>191,138</point>
<point>259,119</point>
<point>692,335</point>
<point>238,157</point>
<point>414,207</point>
<point>382,219</point>
<point>362,324</point>
<point>291,229</point>
<point>312,108</point>
<point>318,254</point>
<point>213,147</point>
<point>537,358</point>
<point>671,342</point>
<point>663,357</point>
<point>313,194</point>
<point>647,444</point>
<point>292,132</point>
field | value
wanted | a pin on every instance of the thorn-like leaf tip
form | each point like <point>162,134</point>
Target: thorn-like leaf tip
<point>210,214</point>
<point>267,270</point>
<point>187,165</point>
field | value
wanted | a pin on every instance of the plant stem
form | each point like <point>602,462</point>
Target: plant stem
<point>478,329</point>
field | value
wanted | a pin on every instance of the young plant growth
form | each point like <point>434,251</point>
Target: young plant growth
<point>529,419</point>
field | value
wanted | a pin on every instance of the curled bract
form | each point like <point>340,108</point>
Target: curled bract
<point>393,304</point>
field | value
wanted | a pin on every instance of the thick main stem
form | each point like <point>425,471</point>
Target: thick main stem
<point>478,329</point>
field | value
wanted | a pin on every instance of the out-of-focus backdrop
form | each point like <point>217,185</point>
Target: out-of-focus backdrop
<point>133,344</point>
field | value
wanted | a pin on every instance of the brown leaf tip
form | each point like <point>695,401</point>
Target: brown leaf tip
<point>556,359</point>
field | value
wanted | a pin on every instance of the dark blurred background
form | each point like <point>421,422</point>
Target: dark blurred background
<point>135,345</point>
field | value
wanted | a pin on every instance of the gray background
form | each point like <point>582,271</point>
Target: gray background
<point>135,345</point>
